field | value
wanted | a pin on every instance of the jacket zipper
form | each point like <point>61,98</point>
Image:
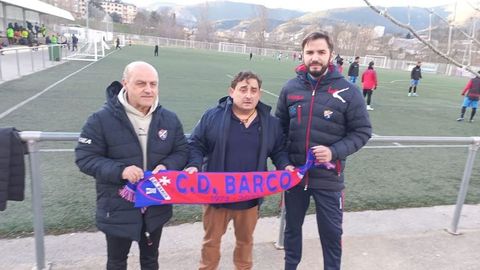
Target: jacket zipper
<point>339,167</point>
<point>309,125</point>
<point>299,114</point>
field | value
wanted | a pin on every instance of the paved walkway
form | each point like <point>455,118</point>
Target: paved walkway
<point>403,239</point>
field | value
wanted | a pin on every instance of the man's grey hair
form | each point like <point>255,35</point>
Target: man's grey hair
<point>133,65</point>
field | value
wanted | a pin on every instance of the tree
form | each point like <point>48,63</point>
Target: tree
<point>116,17</point>
<point>260,26</point>
<point>95,10</point>
<point>204,26</point>
<point>141,21</point>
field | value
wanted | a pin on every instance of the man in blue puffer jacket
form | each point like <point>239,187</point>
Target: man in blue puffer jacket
<point>130,134</point>
<point>321,111</point>
<point>237,135</point>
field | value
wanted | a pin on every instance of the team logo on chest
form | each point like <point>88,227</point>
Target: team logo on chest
<point>335,93</point>
<point>162,134</point>
<point>327,114</point>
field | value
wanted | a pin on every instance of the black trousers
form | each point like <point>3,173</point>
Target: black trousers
<point>118,249</point>
<point>328,206</point>
<point>368,94</point>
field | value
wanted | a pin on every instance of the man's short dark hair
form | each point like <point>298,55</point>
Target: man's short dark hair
<point>318,35</point>
<point>357,57</point>
<point>245,75</point>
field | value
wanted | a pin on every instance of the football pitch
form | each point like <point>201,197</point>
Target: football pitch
<point>190,81</point>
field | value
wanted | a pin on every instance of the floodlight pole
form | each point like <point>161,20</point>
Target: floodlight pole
<point>471,42</point>
<point>87,14</point>
<point>356,42</point>
<point>430,27</point>
<point>450,30</point>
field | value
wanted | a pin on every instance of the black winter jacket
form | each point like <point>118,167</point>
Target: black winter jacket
<point>416,73</point>
<point>12,167</point>
<point>209,139</point>
<point>353,69</point>
<point>332,114</point>
<point>108,144</point>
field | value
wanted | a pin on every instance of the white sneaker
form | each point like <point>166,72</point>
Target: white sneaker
<point>369,108</point>
<point>409,94</point>
<point>460,119</point>
<point>415,95</point>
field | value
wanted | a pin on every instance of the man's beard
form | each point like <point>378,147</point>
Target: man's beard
<point>317,73</point>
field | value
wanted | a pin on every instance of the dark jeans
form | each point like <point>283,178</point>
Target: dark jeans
<point>118,249</point>
<point>328,205</point>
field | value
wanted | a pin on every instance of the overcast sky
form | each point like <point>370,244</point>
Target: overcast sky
<point>310,6</point>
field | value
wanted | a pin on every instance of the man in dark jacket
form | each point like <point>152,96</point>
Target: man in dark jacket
<point>415,75</point>
<point>353,70</point>
<point>74,43</point>
<point>238,135</point>
<point>130,134</point>
<point>322,112</point>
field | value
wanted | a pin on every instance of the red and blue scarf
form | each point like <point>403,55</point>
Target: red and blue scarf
<point>179,187</point>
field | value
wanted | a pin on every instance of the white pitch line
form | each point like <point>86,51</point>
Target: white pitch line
<point>270,93</point>
<point>12,109</point>
<point>394,81</point>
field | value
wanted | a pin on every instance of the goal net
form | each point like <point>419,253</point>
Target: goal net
<point>232,47</point>
<point>92,50</point>
<point>379,60</point>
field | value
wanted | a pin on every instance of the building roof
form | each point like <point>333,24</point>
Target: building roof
<point>41,7</point>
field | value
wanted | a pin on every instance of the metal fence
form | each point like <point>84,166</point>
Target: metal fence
<point>33,138</point>
<point>20,61</point>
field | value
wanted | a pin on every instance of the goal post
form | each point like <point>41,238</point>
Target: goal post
<point>92,50</point>
<point>232,47</point>
<point>379,60</point>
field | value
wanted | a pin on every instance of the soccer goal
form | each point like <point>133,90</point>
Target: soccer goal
<point>232,47</point>
<point>92,50</point>
<point>379,60</point>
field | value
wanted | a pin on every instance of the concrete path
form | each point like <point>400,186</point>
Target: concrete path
<point>403,239</point>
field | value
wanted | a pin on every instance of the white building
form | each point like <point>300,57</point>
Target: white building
<point>126,11</point>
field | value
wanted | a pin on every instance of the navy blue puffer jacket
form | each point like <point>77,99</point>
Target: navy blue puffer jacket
<point>331,113</point>
<point>108,144</point>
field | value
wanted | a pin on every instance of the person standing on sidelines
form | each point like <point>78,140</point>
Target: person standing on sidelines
<point>129,135</point>
<point>323,113</point>
<point>415,77</point>
<point>117,44</point>
<point>238,135</point>
<point>369,83</point>
<point>472,94</point>
<point>155,51</point>
<point>74,43</point>
<point>354,69</point>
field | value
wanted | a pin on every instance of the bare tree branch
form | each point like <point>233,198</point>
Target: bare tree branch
<point>428,44</point>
